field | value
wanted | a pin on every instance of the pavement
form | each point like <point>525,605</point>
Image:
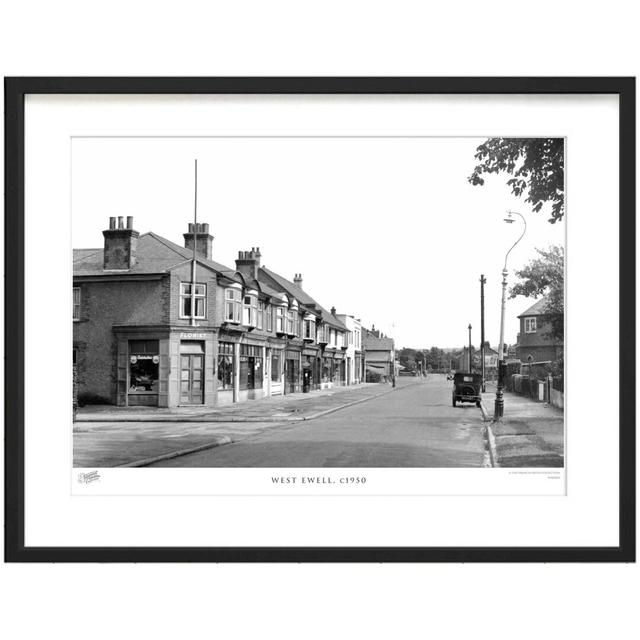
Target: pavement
<point>291,407</point>
<point>107,436</point>
<point>530,434</point>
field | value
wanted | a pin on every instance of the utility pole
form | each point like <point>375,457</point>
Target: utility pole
<point>470,368</point>
<point>482,283</point>
<point>195,240</point>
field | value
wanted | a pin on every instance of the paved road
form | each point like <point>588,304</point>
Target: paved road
<point>415,426</point>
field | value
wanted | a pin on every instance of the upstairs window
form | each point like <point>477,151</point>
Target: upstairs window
<point>530,325</point>
<point>291,321</point>
<point>199,299</point>
<point>232,305</point>
<point>76,303</point>
<point>250,311</point>
<point>260,316</point>
<point>279,319</point>
<point>269,316</point>
<point>309,330</point>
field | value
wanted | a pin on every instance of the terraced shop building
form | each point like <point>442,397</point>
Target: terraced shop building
<point>145,335</point>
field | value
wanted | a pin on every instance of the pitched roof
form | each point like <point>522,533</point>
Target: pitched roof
<point>378,344</point>
<point>154,254</point>
<point>537,309</point>
<point>303,297</point>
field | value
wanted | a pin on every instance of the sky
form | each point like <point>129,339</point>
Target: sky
<point>387,229</point>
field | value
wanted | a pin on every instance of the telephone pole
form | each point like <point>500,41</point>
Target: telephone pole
<point>483,280</point>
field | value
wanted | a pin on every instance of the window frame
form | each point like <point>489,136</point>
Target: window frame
<point>234,303</point>
<point>75,305</point>
<point>198,296</point>
<point>530,325</point>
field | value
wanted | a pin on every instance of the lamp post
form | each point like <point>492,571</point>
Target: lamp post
<point>470,367</point>
<point>498,411</point>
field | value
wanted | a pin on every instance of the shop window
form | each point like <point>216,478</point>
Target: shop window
<point>232,306</point>
<point>144,362</point>
<point>244,371</point>
<point>76,303</point>
<point>225,365</point>
<point>199,299</point>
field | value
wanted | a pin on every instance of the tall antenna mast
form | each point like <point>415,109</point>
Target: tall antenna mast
<point>195,241</point>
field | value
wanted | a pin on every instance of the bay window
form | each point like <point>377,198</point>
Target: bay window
<point>232,305</point>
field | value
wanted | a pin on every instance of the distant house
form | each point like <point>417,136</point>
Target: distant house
<point>490,359</point>
<point>536,342</point>
<point>379,353</point>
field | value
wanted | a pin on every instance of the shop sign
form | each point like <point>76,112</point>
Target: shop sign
<point>193,336</point>
<point>154,359</point>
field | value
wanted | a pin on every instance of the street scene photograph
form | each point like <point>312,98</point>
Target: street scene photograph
<point>318,302</point>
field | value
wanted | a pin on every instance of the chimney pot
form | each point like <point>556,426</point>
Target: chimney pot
<point>120,245</point>
<point>199,232</point>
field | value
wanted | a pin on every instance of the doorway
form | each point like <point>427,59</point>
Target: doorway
<point>191,373</point>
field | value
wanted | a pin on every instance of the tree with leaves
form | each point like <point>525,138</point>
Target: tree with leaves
<point>535,164</point>
<point>544,276</point>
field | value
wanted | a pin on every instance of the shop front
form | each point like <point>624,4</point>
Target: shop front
<point>292,371</point>
<point>275,362</point>
<point>310,369</point>
<point>251,372</point>
<point>225,374</point>
<point>339,376</point>
<point>328,370</point>
<point>164,366</point>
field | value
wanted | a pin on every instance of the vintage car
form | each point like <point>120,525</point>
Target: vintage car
<point>466,388</point>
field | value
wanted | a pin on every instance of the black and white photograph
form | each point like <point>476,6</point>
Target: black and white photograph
<point>318,301</point>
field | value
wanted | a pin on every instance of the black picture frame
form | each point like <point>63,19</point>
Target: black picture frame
<point>15,91</point>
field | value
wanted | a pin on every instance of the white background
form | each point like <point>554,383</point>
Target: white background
<point>370,38</point>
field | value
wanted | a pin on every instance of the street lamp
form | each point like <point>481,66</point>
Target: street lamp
<point>499,404</point>
<point>470,367</point>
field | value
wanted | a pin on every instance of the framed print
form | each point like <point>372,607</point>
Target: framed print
<point>320,319</point>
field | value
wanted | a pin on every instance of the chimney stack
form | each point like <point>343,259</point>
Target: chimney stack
<point>120,245</point>
<point>297,280</point>
<point>204,241</point>
<point>333,311</point>
<point>248,263</point>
